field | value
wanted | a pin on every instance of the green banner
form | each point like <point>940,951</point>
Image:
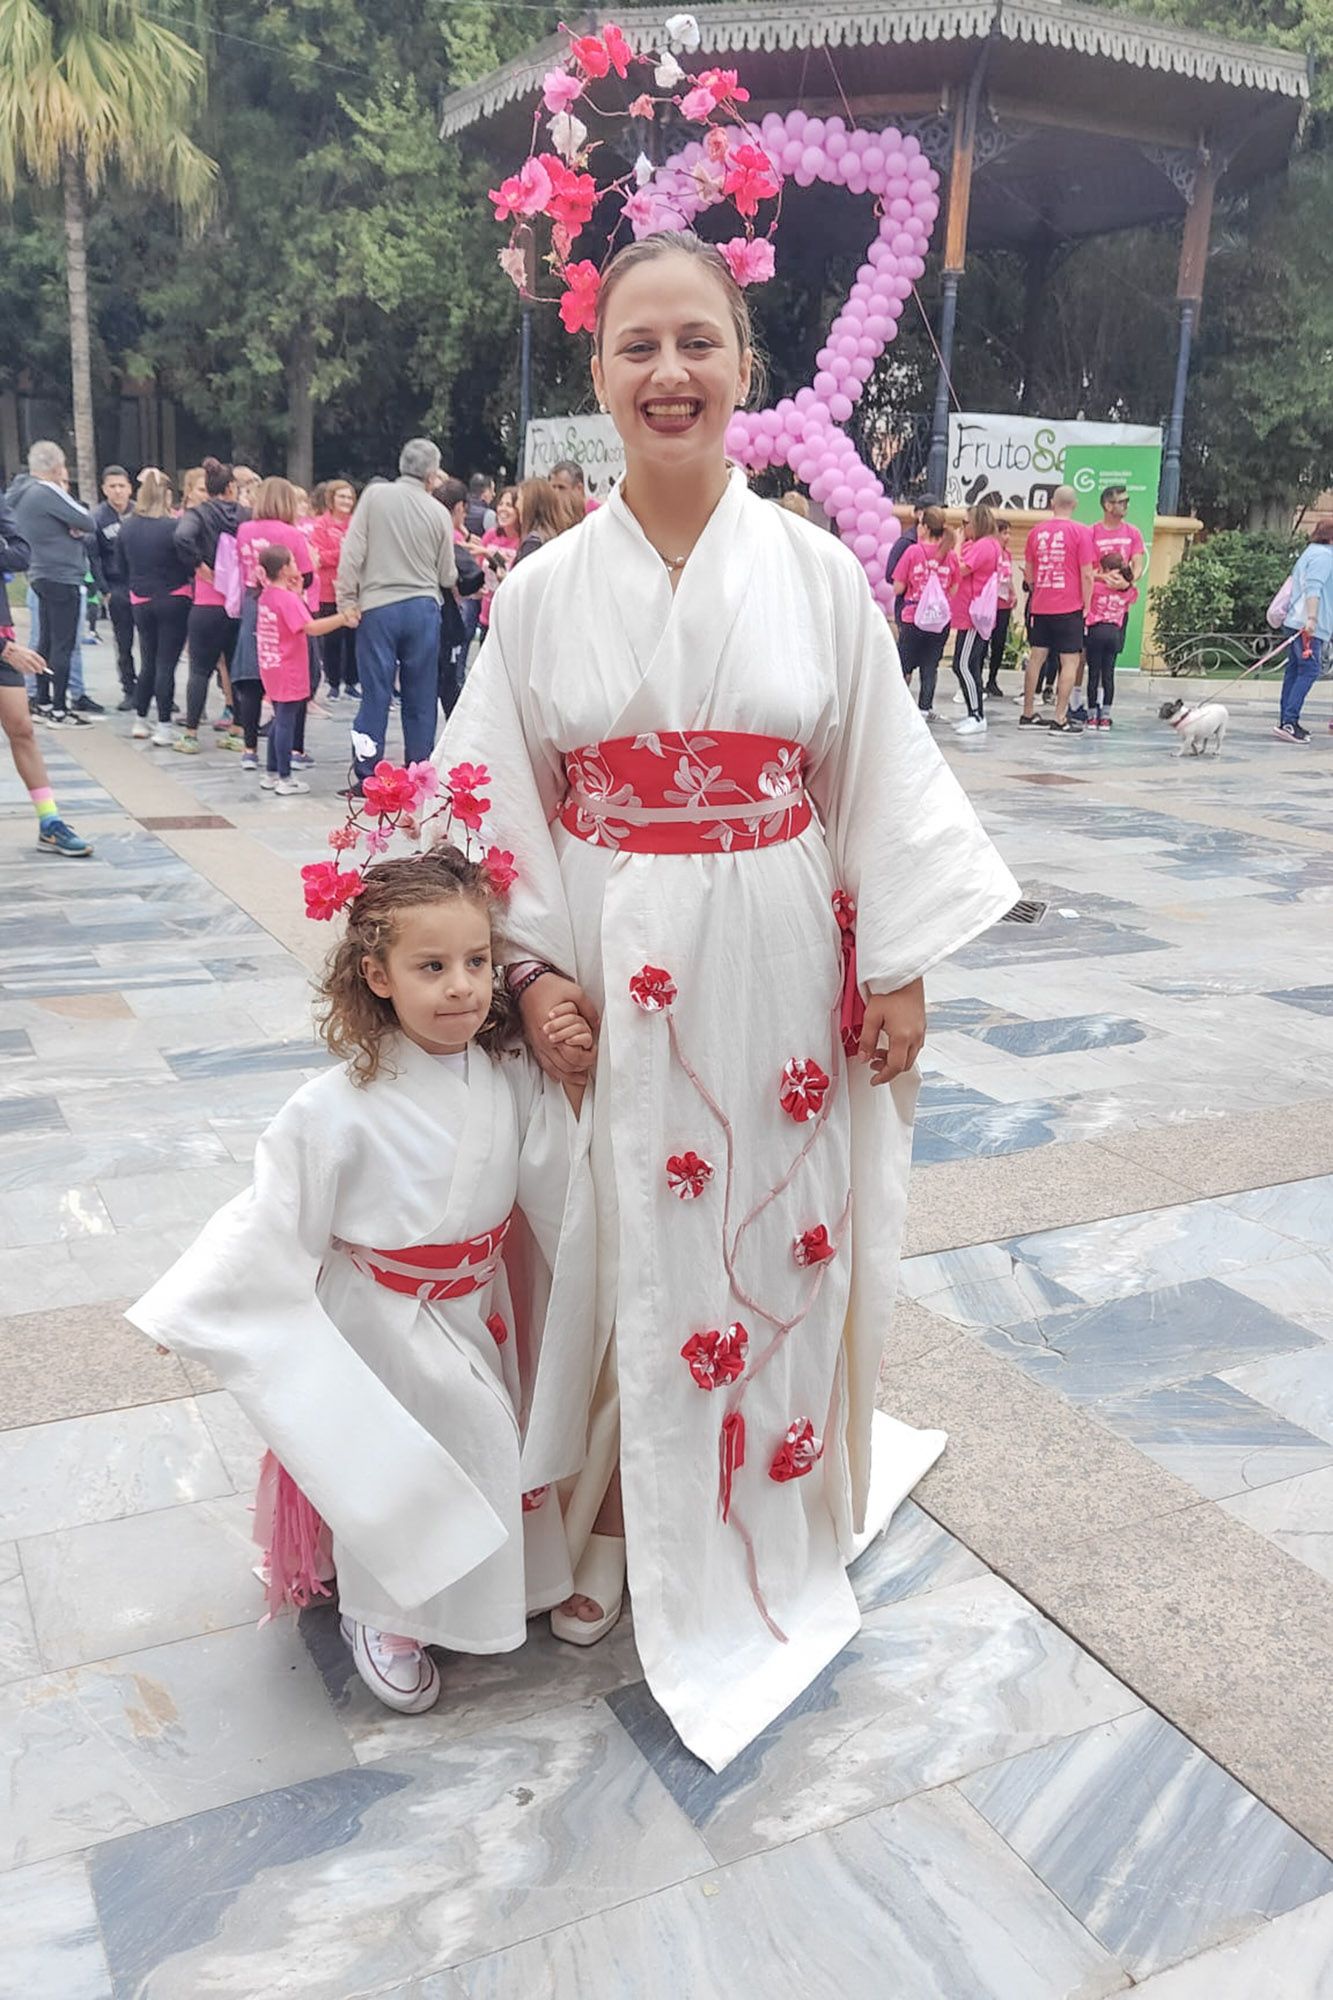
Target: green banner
<point>1089,469</point>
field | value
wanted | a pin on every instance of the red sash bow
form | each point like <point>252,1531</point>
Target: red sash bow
<point>716,792</point>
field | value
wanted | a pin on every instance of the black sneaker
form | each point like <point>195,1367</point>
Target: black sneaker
<point>65,718</point>
<point>1069,727</point>
<point>1301,735</point>
<point>85,705</point>
<point>1035,722</point>
<point>351,792</point>
<point>125,706</point>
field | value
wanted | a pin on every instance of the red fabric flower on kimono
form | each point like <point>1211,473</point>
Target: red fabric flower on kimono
<point>804,1088</point>
<point>329,888</point>
<point>653,989</point>
<point>799,1452</point>
<point>814,1247</point>
<point>716,1358</point>
<point>390,788</point>
<point>497,1329</point>
<point>688,1175</point>
<point>532,1501</point>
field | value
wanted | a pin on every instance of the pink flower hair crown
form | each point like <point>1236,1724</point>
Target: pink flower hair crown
<point>399,798</point>
<point>732,164</point>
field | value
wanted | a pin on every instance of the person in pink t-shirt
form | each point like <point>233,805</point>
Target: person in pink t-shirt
<point>1058,563</point>
<point>1114,535</point>
<point>977,560</point>
<point>1112,594</point>
<point>326,537</point>
<point>283,630</point>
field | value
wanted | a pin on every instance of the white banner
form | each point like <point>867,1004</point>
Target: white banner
<point>1016,461</point>
<point>592,442</point>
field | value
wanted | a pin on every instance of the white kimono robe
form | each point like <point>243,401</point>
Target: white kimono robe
<point>401,1419</point>
<point>772,630</point>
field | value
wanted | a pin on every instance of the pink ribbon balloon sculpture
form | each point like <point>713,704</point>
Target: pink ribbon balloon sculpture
<point>804,431</point>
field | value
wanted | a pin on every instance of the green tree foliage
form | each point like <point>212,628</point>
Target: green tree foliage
<point>1224,584</point>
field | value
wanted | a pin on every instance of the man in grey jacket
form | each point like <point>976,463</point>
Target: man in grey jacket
<point>397,557</point>
<point>55,528</point>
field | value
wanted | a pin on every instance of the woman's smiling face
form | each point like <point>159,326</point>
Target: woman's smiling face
<point>669,367</point>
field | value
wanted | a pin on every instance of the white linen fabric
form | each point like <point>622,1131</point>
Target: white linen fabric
<point>400,1418</point>
<point>772,630</point>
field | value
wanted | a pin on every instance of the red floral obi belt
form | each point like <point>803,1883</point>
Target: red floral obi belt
<point>722,792</point>
<point>430,1271</point>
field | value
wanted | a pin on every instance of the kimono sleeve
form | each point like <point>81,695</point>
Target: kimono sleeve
<point>243,1300</point>
<point>553,1282</point>
<point>906,844</point>
<point>490,726</point>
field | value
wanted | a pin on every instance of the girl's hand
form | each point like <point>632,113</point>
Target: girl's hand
<point>536,1005</point>
<point>899,1021</point>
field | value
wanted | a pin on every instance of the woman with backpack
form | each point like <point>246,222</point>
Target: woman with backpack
<point>924,574</point>
<point>206,543</point>
<point>973,605</point>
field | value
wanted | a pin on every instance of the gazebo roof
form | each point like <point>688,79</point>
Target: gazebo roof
<point>1093,121</point>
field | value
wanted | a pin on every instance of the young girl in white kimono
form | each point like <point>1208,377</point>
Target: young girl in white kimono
<point>375,1302</point>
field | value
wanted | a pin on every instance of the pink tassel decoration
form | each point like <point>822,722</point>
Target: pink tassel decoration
<point>297,1544</point>
<point>852,1017</point>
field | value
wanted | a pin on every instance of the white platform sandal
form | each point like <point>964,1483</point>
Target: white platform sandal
<point>600,1577</point>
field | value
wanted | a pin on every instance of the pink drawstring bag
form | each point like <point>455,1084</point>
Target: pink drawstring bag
<point>985,606</point>
<point>1276,613</point>
<point>297,1544</point>
<point>932,607</point>
<point>227,575</point>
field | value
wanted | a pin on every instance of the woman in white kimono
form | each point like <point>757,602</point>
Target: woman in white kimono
<point>400,1387</point>
<point>703,754</point>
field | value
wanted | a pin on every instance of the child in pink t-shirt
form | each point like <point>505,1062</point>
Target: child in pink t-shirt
<point>283,630</point>
<point>1112,594</point>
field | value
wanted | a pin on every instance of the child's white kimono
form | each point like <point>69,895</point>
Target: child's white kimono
<point>414,1422</point>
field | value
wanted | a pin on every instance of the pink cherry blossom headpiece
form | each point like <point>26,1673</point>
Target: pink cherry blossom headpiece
<point>730,165</point>
<point>398,798</point>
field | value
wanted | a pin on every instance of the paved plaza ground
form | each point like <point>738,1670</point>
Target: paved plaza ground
<point>1083,1741</point>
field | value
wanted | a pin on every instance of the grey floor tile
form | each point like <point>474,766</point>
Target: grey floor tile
<point>391,1871</point>
<point>920,1900</point>
<point>118,1586</point>
<point>158,1736</point>
<point>1209,1433</point>
<point>51,1948</point>
<point>1152,1846</point>
<point>479,1693</point>
<point>1289,1959</point>
<point>929,1689</point>
<point>1297,1514</point>
<point>98,1468</point>
<point>19,1657</point>
<point>1147,1340</point>
<point>913,1554</point>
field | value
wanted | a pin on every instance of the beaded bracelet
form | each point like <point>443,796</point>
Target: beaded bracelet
<point>529,978</point>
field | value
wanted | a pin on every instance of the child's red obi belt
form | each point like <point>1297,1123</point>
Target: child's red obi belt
<point>710,792</point>
<point>432,1271</point>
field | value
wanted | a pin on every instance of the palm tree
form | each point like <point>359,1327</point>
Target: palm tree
<point>89,88</point>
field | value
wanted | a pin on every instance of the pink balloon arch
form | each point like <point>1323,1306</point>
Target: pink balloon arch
<point>804,431</point>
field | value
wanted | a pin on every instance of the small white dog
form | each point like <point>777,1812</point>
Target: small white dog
<point>1196,727</point>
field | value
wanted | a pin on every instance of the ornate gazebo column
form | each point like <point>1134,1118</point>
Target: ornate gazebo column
<point>966,106</point>
<point>1198,187</point>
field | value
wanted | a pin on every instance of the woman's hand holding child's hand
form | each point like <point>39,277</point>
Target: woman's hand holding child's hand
<point>565,1029</point>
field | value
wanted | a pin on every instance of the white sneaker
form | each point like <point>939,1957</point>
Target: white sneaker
<point>398,1671</point>
<point>141,730</point>
<point>971,725</point>
<point>164,736</point>
<point>269,781</point>
<point>287,788</point>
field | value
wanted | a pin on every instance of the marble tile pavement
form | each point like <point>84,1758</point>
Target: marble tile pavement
<point>968,1803</point>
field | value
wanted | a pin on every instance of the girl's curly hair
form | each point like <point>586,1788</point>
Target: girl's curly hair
<point>356,1021</point>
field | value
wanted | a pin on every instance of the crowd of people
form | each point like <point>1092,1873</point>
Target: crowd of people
<point>381,596</point>
<point>1078,583</point>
